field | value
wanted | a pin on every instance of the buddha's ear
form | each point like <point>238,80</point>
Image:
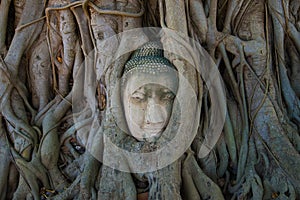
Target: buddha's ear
<point>116,106</point>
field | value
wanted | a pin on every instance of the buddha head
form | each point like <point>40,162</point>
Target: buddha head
<point>149,87</point>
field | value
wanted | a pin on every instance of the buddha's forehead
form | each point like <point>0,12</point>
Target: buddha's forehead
<point>138,80</point>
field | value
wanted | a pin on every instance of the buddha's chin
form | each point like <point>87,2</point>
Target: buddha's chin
<point>152,138</point>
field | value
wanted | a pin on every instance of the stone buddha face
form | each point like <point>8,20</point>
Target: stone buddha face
<point>147,103</point>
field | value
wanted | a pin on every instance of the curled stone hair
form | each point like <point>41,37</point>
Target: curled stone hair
<point>148,58</point>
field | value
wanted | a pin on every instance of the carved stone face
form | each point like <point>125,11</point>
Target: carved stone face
<point>147,102</point>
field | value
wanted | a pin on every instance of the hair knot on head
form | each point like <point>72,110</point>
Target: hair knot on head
<point>149,58</point>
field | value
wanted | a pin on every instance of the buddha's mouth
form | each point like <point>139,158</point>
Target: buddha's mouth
<point>153,127</point>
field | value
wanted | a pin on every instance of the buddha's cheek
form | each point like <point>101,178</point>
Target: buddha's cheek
<point>168,108</point>
<point>135,119</point>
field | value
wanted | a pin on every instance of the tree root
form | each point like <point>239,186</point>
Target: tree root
<point>20,125</point>
<point>223,157</point>
<point>88,177</point>
<point>5,164</point>
<point>250,181</point>
<point>205,186</point>
<point>22,191</point>
<point>32,171</point>
<point>116,185</point>
<point>252,184</point>
<point>69,193</point>
<point>4,8</point>
<point>50,147</point>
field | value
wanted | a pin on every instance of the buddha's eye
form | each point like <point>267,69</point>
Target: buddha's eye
<point>138,97</point>
<point>168,96</point>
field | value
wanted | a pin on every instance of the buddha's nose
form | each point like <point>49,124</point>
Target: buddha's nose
<point>155,113</point>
